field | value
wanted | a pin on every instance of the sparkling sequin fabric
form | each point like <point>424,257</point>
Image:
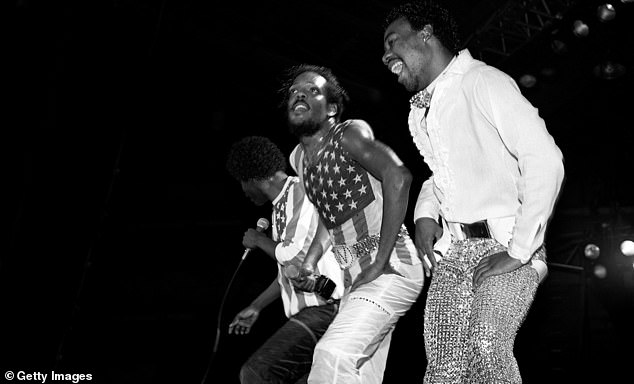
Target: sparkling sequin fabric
<point>420,100</point>
<point>469,333</point>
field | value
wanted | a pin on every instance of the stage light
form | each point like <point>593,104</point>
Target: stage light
<point>580,29</point>
<point>627,248</point>
<point>559,47</point>
<point>592,251</point>
<point>627,1</point>
<point>528,80</point>
<point>606,12</point>
<point>600,271</point>
<point>609,70</point>
<point>548,72</point>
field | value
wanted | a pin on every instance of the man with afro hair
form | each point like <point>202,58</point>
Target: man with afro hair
<point>286,357</point>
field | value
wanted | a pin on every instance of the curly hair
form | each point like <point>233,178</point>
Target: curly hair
<point>255,158</point>
<point>335,93</point>
<point>421,13</point>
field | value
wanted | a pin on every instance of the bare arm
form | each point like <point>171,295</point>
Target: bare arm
<point>428,231</point>
<point>395,178</point>
<point>245,319</point>
<point>253,239</point>
<point>318,247</point>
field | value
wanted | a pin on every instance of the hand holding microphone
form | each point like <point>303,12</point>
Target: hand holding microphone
<point>249,240</point>
<point>302,281</point>
<point>309,281</point>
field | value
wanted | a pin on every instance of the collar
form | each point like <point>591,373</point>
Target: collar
<point>288,181</point>
<point>422,99</point>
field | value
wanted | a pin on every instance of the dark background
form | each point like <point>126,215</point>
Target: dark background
<point>124,230</point>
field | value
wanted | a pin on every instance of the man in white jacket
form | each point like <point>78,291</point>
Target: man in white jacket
<point>482,215</point>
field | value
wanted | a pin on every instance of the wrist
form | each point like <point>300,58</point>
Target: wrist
<point>309,263</point>
<point>308,269</point>
<point>259,240</point>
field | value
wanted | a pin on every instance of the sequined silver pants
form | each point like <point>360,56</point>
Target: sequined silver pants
<point>469,335</point>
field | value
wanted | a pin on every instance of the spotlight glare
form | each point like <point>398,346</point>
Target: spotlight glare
<point>592,251</point>
<point>600,271</point>
<point>528,80</point>
<point>580,29</point>
<point>627,248</point>
<point>606,12</point>
<point>609,70</point>
<point>559,47</point>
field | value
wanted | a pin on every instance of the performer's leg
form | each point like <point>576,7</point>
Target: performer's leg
<point>499,308</point>
<point>354,349</point>
<point>377,362</point>
<point>446,318</point>
<point>287,355</point>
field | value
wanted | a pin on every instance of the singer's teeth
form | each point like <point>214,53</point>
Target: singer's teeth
<point>396,67</point>
<point>300,108</point>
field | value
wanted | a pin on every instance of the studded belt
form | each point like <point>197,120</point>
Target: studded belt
<point>346,254</point>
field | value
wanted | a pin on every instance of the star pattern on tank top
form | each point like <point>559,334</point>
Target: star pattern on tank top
<point>336,185</point>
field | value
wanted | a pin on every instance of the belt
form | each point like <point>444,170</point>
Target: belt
<point>346,254</point>
<point>461,231</point>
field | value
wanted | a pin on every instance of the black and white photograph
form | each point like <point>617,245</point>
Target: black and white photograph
<point>321,192</point>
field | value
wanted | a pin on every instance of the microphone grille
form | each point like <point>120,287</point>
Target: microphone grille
<point>291,271</point>
<point>263,223</point>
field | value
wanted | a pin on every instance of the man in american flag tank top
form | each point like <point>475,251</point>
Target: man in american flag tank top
<point>360,188</point>
<point>286,356</point>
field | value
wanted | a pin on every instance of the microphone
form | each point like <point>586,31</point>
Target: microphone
<point>291,271</point>
<point>263,225</point>
<point>324,287</point>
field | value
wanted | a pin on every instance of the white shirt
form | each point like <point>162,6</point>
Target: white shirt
<point>490,155</point>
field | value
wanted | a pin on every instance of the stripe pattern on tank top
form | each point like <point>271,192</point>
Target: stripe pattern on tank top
<point>299,229</point>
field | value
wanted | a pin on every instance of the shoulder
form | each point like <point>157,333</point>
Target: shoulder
<point>357,138</point>
<point>357,129</point>
<point>294,185</point>
<point>484,75</point>
<point>485,81</point>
